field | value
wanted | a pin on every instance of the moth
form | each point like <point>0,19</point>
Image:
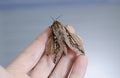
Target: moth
<point>60,40</point>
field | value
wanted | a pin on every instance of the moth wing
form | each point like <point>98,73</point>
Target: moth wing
<point>49,46</point>
<point>74,43</point>
<point>78,41</point>
<point>76,38</point>
<point>65,49</point>
<point>57,53</point>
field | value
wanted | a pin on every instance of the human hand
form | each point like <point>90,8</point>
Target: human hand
<point>33,63</point>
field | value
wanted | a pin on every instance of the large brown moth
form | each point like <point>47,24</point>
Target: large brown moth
<point>60,39</point>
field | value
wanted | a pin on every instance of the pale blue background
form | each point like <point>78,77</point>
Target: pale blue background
<point>96,21</point>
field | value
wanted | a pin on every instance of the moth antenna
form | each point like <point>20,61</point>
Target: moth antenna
<point>55,19</point>
<point>52,18</point>
<point>58,17</point>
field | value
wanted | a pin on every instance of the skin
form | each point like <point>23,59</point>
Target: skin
<point>32,63</point>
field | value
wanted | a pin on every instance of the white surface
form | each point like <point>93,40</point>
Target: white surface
<point>98,25</point>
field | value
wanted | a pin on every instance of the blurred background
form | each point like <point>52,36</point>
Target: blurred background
<point>96,21</point>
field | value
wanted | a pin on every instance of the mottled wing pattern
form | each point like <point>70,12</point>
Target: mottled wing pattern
<point>78,41</point>
<point>58,51</point>
<point>74,43</point>
<point>55,48</point>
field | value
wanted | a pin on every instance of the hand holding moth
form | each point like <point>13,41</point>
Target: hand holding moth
<point>34,63</point>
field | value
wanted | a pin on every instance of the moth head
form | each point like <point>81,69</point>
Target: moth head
<point>56,24</point>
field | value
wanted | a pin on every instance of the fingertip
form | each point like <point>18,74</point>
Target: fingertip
<point>79,67</point>
<point>45,34</point>
<point>70,29</point>
<point>83,59</point>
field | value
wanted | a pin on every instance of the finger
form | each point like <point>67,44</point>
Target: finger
<point>30,56</point>
<point>63,67</point>
<point>79,67</point>
<point>70,28</point>
<point>43,68</point>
